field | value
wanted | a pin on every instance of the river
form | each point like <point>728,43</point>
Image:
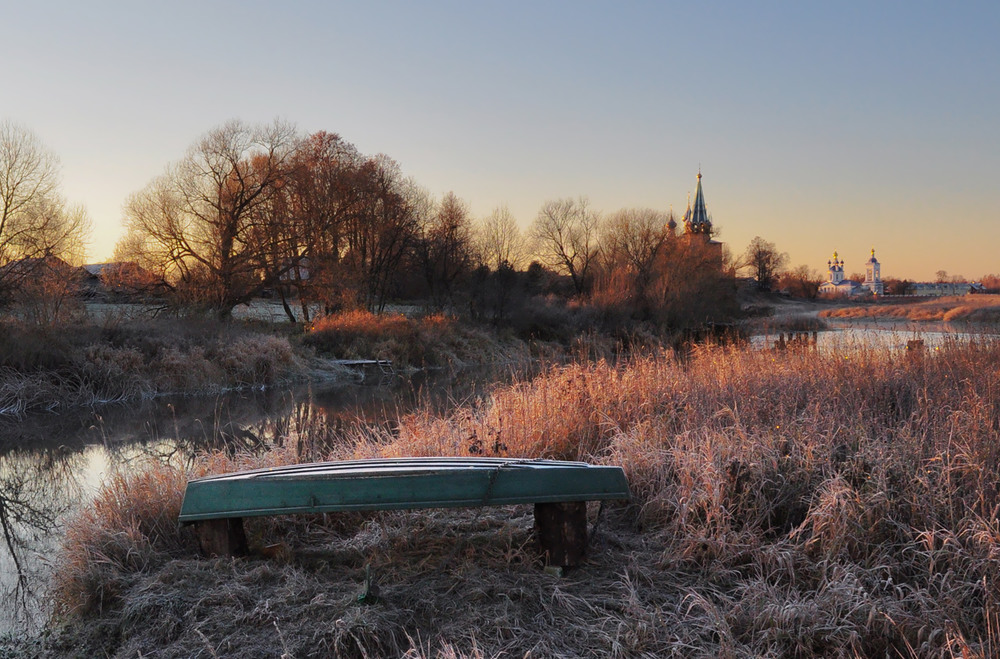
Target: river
<point>896,337</point>
<point>50,465</point>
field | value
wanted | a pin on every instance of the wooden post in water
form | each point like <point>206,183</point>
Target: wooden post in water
<point>561,529</point>
<point>221,537</point>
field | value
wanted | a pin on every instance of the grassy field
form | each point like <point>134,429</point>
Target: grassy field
<point>792,504</point>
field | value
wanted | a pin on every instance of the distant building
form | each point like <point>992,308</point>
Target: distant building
<point>698,223</point>
<point>941,288</point>
<point>120,278</point>
<point>37,268</point>
<point>835,283</point>
<point>873,275</point>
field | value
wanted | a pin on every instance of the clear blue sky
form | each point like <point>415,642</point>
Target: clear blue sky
<point>818,126</point>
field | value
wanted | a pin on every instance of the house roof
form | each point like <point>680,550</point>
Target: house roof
<point>95,268</point>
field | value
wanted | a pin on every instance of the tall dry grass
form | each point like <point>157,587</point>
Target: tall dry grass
<point>846,498</point>
<point>131,528</point>
<point>792,504</point>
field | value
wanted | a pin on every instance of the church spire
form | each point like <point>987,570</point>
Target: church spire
<point>696,220</point>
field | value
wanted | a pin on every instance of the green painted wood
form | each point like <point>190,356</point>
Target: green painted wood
<point>406,483</point>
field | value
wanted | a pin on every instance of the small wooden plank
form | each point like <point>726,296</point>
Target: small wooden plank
<point>386,363</point>
<point>409,483</point>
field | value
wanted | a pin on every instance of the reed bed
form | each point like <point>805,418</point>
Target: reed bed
<point>433,340</point>
<point>54,369</point>
<point>785,504</point>
<point>982,309</point>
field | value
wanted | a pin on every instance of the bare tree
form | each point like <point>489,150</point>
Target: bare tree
<point>499,241</point>
<point>565,236</point>
<point>801,281</point>
<point>210,221</point>
<point>34,219</point>
<point>445,249</point>
<point>764,262</point>
<point>632,242</point>
<point>895,286</point>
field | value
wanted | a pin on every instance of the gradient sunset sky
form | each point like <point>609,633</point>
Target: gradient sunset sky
<point>818,126</point>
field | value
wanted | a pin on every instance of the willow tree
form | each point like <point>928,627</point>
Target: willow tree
<point>379,231</point>
<point>322,195</point>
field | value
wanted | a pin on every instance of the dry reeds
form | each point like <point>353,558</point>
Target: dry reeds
<point>435,340</point>
<point>785,504</point>
<point>843,462</point>
<point>88,364</point>
<point>982,309</point>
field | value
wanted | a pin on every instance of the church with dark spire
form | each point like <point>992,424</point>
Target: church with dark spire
<point>697,220</point>
<point>698,223</point>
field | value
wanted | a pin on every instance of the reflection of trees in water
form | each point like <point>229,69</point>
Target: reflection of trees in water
<point>36,488</point>
<point>251,422</point>
<point>50,464</point>
<point>315,421</point>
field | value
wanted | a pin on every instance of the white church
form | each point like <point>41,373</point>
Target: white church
<point>836,284</point>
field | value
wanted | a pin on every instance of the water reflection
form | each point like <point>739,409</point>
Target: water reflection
<point>50,465</point>
<point>36,489</point>
<point>847,338</point>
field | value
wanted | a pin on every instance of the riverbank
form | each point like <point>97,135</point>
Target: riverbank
<point>44,370</point>
<point>792,504</point>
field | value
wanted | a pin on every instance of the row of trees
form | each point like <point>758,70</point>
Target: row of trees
<point>252,209</point>
<point>257,208</point>
<point>260,209</point>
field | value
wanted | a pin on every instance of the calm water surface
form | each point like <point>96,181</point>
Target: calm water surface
<point>51,465</point>
<point>895,339</point>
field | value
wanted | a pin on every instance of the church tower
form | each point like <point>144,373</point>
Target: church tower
<point>873,275</point>
<point>836,268</point>
<point>697,220</point>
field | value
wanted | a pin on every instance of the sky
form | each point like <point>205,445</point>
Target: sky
<point>818,126</point>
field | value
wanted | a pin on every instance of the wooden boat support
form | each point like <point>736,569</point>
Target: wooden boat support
<point>559,491</point>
